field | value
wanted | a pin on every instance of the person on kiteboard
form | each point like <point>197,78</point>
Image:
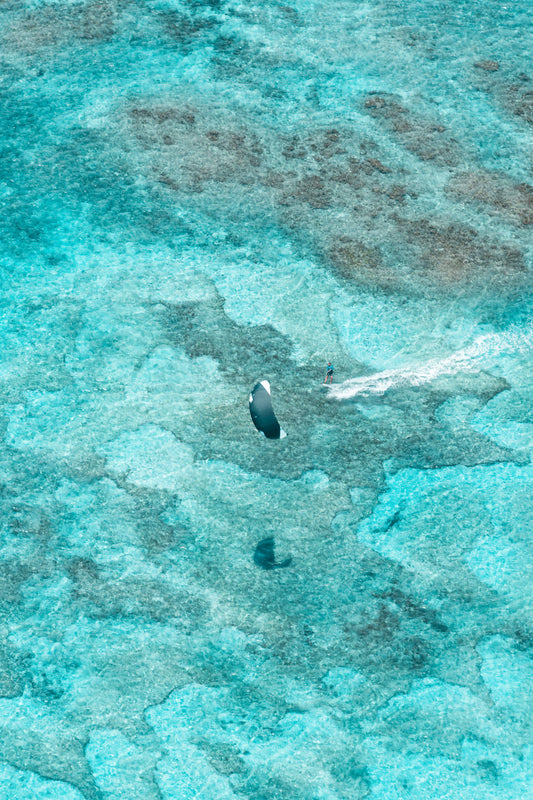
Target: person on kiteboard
<point>329,373</point>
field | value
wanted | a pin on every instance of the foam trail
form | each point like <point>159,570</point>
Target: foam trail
<point>467,359</point>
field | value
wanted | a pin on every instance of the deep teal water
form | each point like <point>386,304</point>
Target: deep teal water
<point>198,195</point>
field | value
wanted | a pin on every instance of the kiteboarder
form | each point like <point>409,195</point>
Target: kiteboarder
<point>329,373</point>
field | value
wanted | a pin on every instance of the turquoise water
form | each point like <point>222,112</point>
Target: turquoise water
<point>199,195</point>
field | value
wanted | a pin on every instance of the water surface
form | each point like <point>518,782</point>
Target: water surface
<point>199,195</point>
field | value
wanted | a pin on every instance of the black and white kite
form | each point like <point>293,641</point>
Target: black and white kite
<point>262,412</point>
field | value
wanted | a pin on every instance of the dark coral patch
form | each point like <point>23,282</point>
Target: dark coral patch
<point>44,29</point>
<point>375,164</point>
<point>488,65</point>
<point>353,261</point>
<point>186,28</point>
<point>311,189</point>
<point>457,258</point>
<point>384,640</point>
<point>195,152</point>
<point>204,329</point>
<point>512,92</point>
<point>497,192</point>
<point>522,103</point>
<point>426,138</point>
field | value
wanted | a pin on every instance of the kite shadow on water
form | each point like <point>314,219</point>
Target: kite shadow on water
<point>264,555</point>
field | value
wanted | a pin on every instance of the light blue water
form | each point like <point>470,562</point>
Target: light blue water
<point>196,196</point>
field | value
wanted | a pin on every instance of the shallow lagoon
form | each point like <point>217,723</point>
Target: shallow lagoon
<point>196,196</point>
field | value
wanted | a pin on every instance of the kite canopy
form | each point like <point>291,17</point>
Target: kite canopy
<point>262,412</point>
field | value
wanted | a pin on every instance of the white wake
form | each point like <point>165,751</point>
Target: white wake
<point>473,358</point>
